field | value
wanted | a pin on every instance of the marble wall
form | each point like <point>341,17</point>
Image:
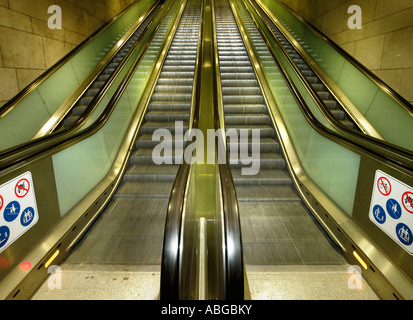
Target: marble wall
<point>384,44</point>
<point>28,47</point>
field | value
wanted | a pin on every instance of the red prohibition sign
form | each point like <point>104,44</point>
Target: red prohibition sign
<point>22,188</point>
<point>384,186</point>
<point>407,200</point>
<point>1,202</point>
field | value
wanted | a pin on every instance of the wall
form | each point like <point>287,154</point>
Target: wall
<point>385,42</point>
<point>28,47</point>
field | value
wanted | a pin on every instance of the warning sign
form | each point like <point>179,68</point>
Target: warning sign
<point>18,209</point>
<point>22,188</point>
<point>384,186</point>
<point>407,201</point>
<point>391,209</point>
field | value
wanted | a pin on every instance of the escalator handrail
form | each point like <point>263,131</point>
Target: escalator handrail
<point>20,153</point>
<point>385,87</point>
<point>171,251</point>
<point>387,151</point>
<point>234,273</point>
<point>169,287</point>
<point>8,106</point>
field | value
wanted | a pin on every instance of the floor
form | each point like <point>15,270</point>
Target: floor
<point>287,282</point>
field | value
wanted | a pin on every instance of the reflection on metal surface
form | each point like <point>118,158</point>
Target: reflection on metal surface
<point>363,264</point>
<point>51,259</point>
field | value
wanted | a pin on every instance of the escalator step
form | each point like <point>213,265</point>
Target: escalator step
<point>274,177</point>
<point>151,173</point>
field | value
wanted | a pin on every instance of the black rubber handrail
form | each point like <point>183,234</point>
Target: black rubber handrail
<point>169,289</point>
<point>387,151</point>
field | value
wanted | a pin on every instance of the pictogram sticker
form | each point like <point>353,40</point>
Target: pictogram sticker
<point>22,188</point>
<point>384,186</point>
<point>407,200</point>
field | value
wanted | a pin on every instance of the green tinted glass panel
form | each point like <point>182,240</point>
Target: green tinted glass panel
<point>28,116</point>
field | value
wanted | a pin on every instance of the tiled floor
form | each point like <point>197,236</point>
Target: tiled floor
<point>321,282</point>
<point>114,282</point>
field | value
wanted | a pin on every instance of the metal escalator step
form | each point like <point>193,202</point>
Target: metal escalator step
<point>148,156</point>
<point>146,141</point>
<point>338,114</point>
<point>173,88</point>
<point>266,160</point>
<point>103,77</point>
<point>266,193</point>
<point>141,189</point>
<point>234,58</point>
<point>177,56</point>
<point>179,68</point>
<point>85,100</point>
<point>247,119</point>
<point>169,106</point>
<point>151,173</point>
<point>98,84</point>
<point>178,62</point>
<point>267,145</point>
<point>331,104</point>
<point>266,131</point>
<point>236,69</point>
<point>68,121</point>
<point>349,124</point>
<point>92,92</point>
<point>244,91</point>
<point>232,63</point>
<point>157,96</point>
<point>150,127</point>
<point>239,83</point>
<point>244,108</point>
<point>274,177</point>
<point>241,99</point>
<point>237,75</point>
<point>78,110</point>
<point>167,116</point>
<point>175,82</point>
<point>177,75</point>
<point>325,95</point>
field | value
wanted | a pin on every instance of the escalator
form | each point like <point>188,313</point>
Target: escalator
<point>80,107</point>
<point>129,232</point>
<point>330,101</point>
<point>35,112</point>
<point>277,229</point>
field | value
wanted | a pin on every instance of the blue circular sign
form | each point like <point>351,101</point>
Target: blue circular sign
<point>4,235</point>
<point>404,234</point>
<point>27,216</point>
<point>11,211</point>
<point>379,214</point>
<point>393,209</point>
